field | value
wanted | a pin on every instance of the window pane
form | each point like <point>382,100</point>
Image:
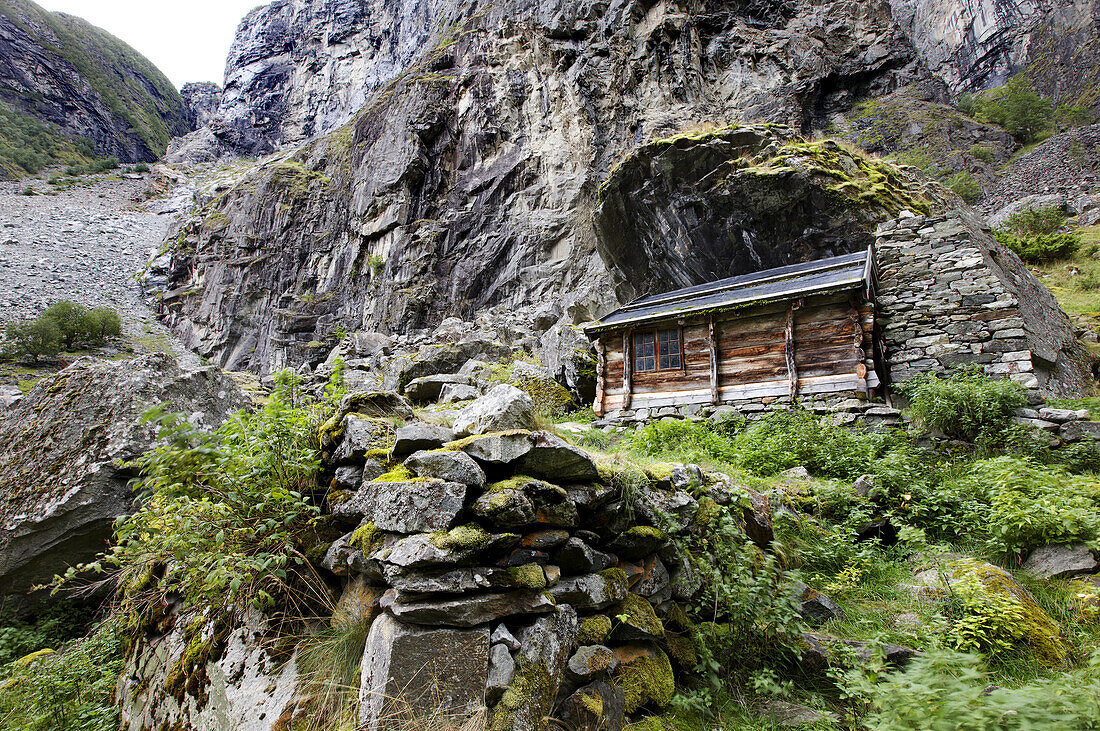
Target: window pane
<point>669,341</point>
<point>645,352</point>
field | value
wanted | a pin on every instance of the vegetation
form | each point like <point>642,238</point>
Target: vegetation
<point>63,325</point>
<point>28,145</point>
<point>131,86</point>
<point>1036,235</point>
<point>1021,111</point>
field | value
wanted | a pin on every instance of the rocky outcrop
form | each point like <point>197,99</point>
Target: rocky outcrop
<point>64,450</point>
<point>202,99</point>
<point>468,180</point>
<point>65,71</point>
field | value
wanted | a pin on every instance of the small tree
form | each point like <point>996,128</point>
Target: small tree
<point>70,320</point>
<point>1020,110</point>
<point>101,324</point>
<point>37,338</point>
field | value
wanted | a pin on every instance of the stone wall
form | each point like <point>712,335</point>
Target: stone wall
<point>949,295</point>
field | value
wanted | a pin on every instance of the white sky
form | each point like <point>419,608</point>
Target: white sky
<point>187,40</point>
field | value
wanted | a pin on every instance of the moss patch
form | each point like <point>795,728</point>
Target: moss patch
<point>636,612</point>
<point>528,576</point>
<point>471,537</point>
<point>594,630</point>
<point>366,538</point>
<point>647,680</point>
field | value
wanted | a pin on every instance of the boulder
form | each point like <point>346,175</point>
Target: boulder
<point>345,559</point>
<point>453,392</point>
<point>358,604</point>
<point>1061,562</point>
<point>548,395</point>
<point>758,519</point>
<point>362,434</point>
<point>501,635</point>
<point>822,651</point>
<point>598,706</point>
<point>1073,431</point>
<point>785,713</point>
<point>451,356</point>
<point>466,611</point>
<point>816,608</point>
<point>591,592</point>
<point>545,646</point>
<point>545,540</point>
<point>653,583</point>
<point>507,508</point>
<point>463,580</point>
<point>496,449</point>
<point>450,466</point>
<point>555,459</point>
<point>347,479</point>
<point>406,507</point>
<point>420,436</point>
<point>503,408</point>
<point>577,557</point>
<point>638,542</point>
<point>410,670</point>
<point>637,621</point>
<point>368,344</point>
<point>64,453</point>
<point>429,388</point>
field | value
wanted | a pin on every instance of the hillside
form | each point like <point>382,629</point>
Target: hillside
<point>69,90</point>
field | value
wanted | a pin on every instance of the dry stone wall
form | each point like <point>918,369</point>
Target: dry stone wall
<point>949,296</point>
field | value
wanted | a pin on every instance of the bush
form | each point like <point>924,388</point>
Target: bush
<point>1016,107</point>
<point>951,691</point>
<point>1040,249</point>
<point>141,167</point>
<point>52,626</point>
<point>36,338</point>
<point>69,691</point>
<point>965,185</point>
<point>1035,221</point>
<point>965,405</point>
<point>685,440</point>
<point>237,503</point>
<point>792,438</point>
<point>982,152</point>
<point>65,325</point>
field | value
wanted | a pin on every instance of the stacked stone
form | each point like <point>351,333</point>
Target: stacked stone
<point>949,296</point>
<point>845,410</point>
<point>505,569</point>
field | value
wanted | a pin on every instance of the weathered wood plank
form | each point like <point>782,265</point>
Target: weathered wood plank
<point>792,367</point>
<point>627,367</point>
<point>713,362</point>
<point>601,377</point>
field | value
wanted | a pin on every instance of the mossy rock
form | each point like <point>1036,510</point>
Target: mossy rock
<point>637,620</point>
<point>471,537</point>
<point>367,538</point>
<point>531,685</point>
<point>646,677</point>
<point>400,473</point>
<point>638,542</point>
<point>594,630</point>
<point>528,576</point>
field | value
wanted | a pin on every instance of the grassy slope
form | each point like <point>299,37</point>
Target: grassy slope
<point>131,86</point>
<point>27,145</point>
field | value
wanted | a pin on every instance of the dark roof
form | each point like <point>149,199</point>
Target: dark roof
<point>836,274</point>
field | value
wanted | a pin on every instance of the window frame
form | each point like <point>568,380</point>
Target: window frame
<point>656,335</point>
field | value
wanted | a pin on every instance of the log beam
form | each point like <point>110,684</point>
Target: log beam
<point>628,367</point>
<point>792,368</point>
<point>601,377</point>
<point>713,362</point>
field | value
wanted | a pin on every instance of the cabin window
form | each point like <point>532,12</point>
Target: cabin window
<point>658,350</point>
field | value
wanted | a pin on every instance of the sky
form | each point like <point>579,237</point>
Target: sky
<point>186,40</point>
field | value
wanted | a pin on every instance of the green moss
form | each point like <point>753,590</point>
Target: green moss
<point>400,473</point>
<point>528,576</point>
<point>528,697</point>
<point>647,680</point>
<point>460,444</point>
<point>595,630</point>
<point>636,612</point>
<point>471,537</point>
<point>660,471</point>
<point>549,396</point>
<point>518,482</point>
<point>366,538</point>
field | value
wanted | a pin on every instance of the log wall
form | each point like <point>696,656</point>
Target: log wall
<point>832,352</point>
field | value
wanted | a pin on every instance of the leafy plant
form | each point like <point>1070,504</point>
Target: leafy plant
<point>225,514</point>
<point>68,691</point>
<point>792,438</point>
<point>1016,107</point>
<point>965,185</point>
<point>963,405</point>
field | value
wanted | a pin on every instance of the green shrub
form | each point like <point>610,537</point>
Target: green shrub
<point>982,152</point>
<point>36,338</point>
<point>68,691</point>
<point>1040,249</point>
<point>949,691</point>
<point>965,185</point>
<point>1016,107</point>
<point>964,405</point>
<point>685,440</point>
<point>237,503</point>
<point>51,627</point>
<point>792,438</point>
<point>141,167</point>
<point>1035,221</point>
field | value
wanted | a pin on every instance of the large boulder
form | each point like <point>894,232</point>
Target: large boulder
<point>503,408</point>
<point>418,436</point>
<point>545,648</point>
<point>417,506</point>
<point>64,451</point>
<point>1060,562</point>
<point>409,671</point>
<point>552,458</point>
<point>450,466</point>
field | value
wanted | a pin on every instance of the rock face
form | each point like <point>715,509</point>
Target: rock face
<point>62,70</point>
<point>469,179</point>
<point>202,100</point>
<point>61,454</point>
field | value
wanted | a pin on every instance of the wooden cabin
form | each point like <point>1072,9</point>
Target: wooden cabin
<point>796,330</point>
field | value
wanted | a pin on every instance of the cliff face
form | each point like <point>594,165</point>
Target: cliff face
<point>59,69</point>
<point>470,178</point>
<point>202,100</point>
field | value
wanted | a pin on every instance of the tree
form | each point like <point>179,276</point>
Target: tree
<point>70,320</point>
<point>100,324</point>
<point>37,338</point>
<point>1020,110</point>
